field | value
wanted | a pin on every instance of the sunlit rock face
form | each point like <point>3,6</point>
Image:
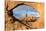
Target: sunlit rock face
<point>24,12</point>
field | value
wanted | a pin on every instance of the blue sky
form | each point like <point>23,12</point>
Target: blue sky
<point>21,11</point>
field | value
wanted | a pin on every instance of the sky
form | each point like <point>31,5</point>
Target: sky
<point>22,10</point>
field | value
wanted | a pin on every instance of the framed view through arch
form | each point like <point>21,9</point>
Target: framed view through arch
<point>22,15</point>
